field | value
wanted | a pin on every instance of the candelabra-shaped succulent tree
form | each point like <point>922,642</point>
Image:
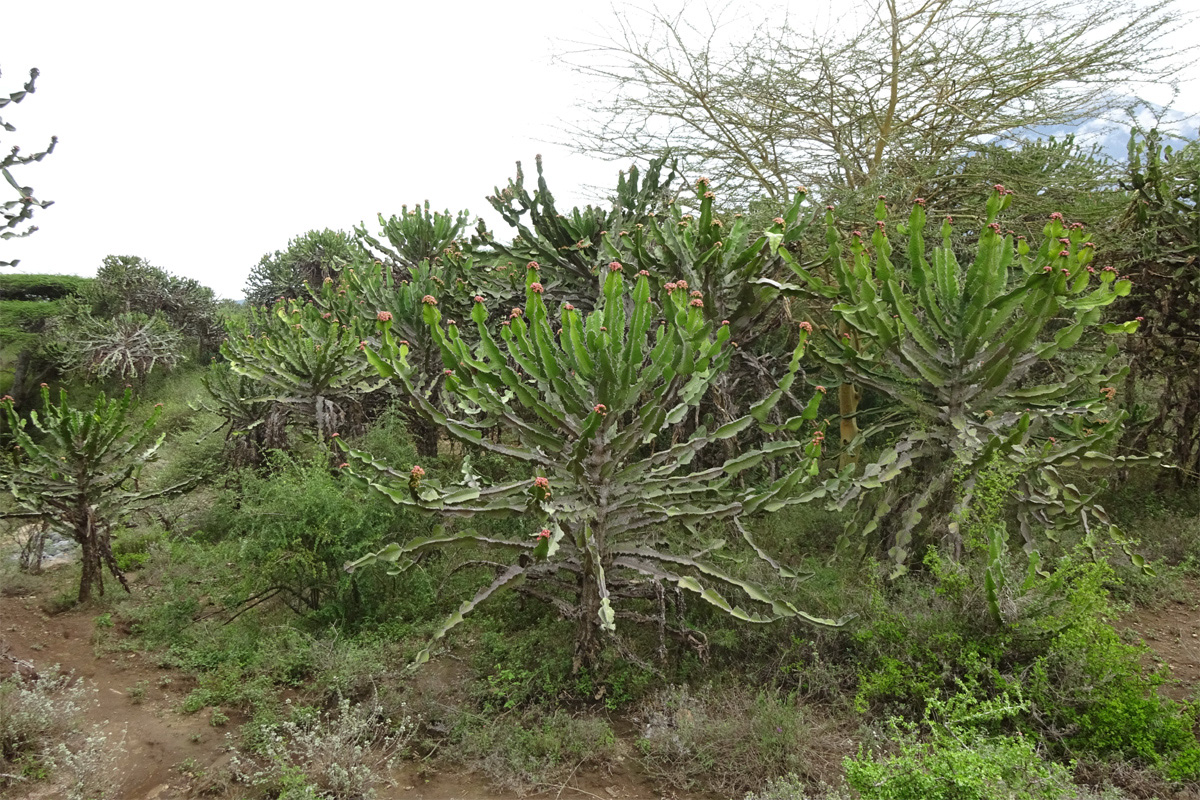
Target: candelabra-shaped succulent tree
<point>416,236</point>
<point>973,357</point>
<point>732,267</point>
<point>307,360</point>
<point>582,400</point>
<point>573,248</point>
<point>80,472</point>
<point>370,293</point>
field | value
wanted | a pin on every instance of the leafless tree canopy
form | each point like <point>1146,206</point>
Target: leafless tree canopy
<point>920,82</point>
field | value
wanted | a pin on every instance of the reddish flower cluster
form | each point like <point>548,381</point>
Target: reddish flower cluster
<point>536,288</point>
<point>429,300</point>
<point>417,472</point>
<point>670,287</point>
<point>682,284</point>
<point>806,326</point>
<point>600,409</point>
<point>724,322</point>
<point>1109,392</point>
<point>822,389</point>
<point>1056,216</point>
<point>696,303</point>
<point>544,533</point>
<point>643,273</point>
<point>568,307</point>
<point>778,221</point>
<point>478,298</point>
<point>614,266</point>
<point>516,312</point>
<point>384,316</point>
<point>533,265</point>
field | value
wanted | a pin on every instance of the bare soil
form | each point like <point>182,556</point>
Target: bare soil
<point>172,755</point>
<point>1173,634</point>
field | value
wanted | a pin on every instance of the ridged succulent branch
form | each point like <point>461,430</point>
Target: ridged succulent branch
<point>726,262</point>
<point>80,472</point>
<point>368,293</point>
<point>308,360</point>
<point>19,211</point>
<point>962,350</point>
<point>416,236</point>
<point>582,400</point>
<point>571,248</point>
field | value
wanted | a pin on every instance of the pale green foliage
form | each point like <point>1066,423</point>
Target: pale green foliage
<point>580,402</point>
<point>572,248</point>
<point>311,257</point>
<point>80,472</point>
<point>305,359</point>
<point>416,236</point>
<point>126,347</point>
<point>964,352</point>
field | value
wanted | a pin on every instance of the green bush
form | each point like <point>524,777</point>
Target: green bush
<point>296,528</point>
<point>958,761</point>
<point>1092,686</point>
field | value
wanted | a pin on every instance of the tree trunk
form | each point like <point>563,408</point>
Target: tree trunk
<point>848,397</point>
<point>426,436</point>
<point>90,561</point>
<point>587,636</point>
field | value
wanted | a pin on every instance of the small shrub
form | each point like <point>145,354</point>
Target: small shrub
<point>341,754</point>
<point>536,750</point>
<point>729,740</point>
<point>960,760</point>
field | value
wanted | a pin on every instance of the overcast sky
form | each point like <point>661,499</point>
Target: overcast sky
<point>202,135</point>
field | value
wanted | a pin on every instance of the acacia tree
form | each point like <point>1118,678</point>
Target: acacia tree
<point>902,87</point>
<point>586,403</point>
<point>17,212</point>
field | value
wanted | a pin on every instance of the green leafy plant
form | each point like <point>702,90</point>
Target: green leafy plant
<point>416,236</point>
<point>369,293</point>
<point>309,361</point>
<point>974,358</point>
<point>572,248</point>
<point>253,423</point>
<point>960,760</point>
<point>581,406</point>
<point>310,258</point>
<point>80,472</point>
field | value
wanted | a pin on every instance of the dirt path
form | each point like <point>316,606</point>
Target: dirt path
<point>1173,635</point>
<point>172,755</point>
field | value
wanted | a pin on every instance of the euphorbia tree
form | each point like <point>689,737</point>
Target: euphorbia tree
<point>581,400</point>
<point>730,266</point>
<point>80,473</point>
<point>366,292</point>
<point>308,360</point>
<point>973,357</point>
<point>572,247</point>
